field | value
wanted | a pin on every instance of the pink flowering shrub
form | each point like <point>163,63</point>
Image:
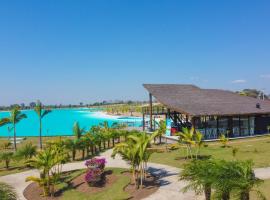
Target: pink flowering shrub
<point>95,170</point>
<point>96,163</point>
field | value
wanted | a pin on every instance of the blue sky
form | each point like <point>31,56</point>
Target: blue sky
<point>73,51</point>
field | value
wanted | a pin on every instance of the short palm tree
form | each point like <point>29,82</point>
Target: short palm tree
<point>186,137</point>
<point>248,182</point>
<point>7,192</point>
<point>15,116</point>
<point>77,131</point>
<point>27,152</point>
<point>198,137</point>
<point>41,114</point>
<point>161,129</point>
<point>136,151</point>
<point>6,157</point>
<point>200,176</point>
<point>48,161</point>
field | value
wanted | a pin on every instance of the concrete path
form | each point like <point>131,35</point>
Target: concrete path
<point>169,189</point>
<point>170,186</point>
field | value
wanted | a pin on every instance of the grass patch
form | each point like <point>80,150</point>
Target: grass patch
<point>257,149</point>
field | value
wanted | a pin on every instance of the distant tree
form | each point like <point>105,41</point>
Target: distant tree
<point>253,93</point>
<point>32,104</point>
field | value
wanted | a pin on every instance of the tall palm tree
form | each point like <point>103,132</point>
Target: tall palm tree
<point>41,113</point>
<point>15,116</point>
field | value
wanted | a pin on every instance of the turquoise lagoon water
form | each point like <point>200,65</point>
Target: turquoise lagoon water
<point>60,122</point>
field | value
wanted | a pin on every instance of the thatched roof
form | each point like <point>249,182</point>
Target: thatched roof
<point>192,100</point>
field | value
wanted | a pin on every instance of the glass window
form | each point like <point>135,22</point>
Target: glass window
<point>244,126</point>
<point>236,132</point>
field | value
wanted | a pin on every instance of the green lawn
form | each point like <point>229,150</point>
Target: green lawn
<point>115,192</point>
<point>19,165</point>
<point>257,149</point>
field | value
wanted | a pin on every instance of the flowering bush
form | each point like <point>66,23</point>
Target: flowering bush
<point>95,170</point>
<point>96,163</point>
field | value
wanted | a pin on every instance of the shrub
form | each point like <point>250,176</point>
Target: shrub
<point>6,157</point>
<point>95,170</point>
<point>224,141</point>
<point>7,192</point>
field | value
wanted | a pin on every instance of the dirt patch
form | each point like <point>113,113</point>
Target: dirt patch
<point>151,185</point>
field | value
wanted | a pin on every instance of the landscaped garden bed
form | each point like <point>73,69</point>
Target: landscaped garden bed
<point>117,185</point>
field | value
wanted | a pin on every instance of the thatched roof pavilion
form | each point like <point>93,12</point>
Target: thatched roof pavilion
<point>196,103</point>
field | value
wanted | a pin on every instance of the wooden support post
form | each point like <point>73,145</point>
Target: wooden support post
<point>151,111</point>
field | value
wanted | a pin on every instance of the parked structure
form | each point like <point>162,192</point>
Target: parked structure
<point>213,112</point>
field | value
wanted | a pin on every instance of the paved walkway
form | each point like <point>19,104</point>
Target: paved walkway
<point>169,189</point>
<point>170,186</point>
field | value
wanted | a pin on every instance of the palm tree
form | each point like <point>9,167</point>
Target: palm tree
<point>48,161</point>
<point>200,175</point>
<point>187,138</point>
<point>161,129</point>
<point>7,192</point>
<point>248,181</point>
<point>15,116</point>
<point>26,152</point>
<point>77,131</point>
<point>136,151</point>
<point>72,145</point>
<point>41,113</point>
<point>6,157</point>
<point>198,137</point>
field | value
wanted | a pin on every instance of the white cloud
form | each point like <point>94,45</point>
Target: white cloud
<point>239,81</point>
<point>265,76</point>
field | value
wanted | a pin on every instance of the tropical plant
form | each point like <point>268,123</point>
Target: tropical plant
<point>224,140</point>
<point>198,137</point>
<point>186,137</point>
<point>161,129</point>
<point>15,117</point>
<point>49,162</point>
<point>200,175</point>
<point>72,146</point>
<point>136,151</point>
<point>7,192</point>
<point>41,114</point>
<point>6,144</point>
<point>77,131</point>
<point>6,157</point>
<point>26,152</point>
<point>248,182</point>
